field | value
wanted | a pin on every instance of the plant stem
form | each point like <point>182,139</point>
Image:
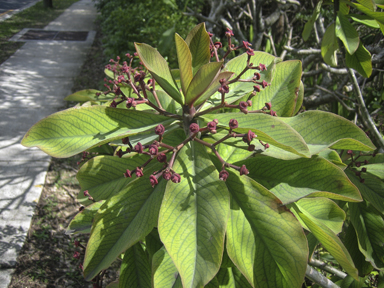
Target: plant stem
<point>325,267</point>
<point>318,278</point>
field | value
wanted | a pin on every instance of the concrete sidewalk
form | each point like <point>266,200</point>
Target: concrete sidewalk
<point>33,84</point>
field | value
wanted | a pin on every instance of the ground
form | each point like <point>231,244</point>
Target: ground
<point>46,259</point>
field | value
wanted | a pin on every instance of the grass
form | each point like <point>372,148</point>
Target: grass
<point>36,16</point>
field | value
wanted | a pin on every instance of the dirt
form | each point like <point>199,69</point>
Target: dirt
<point>46,259</point>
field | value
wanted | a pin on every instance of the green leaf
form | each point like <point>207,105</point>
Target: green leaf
<point>351,243</point>
<point>236,65</point>
<point>215,85</point>
<point>369,226</point>
<point>198,41</point>
<point>202,80</point>
<point>88,95</point>
<point>122,221</point>
<point>329,46</point>
<point>193,217</point>
<point>166,41</point>
<point>291,180</point>
<point>370,4</point>
<point>378,16</point>
<point>185,62</point>
<point>360,61</point>
<point>268,129</point>
<point>135,270</point>
<point>103,176</point>
<point>329,130</point>
<point>312,243</point>
<point>347,33</point>
<point>69,132</point>
<point>283,92</point>
<point>153,243</point>
<point>309,25</point>
<point>159,69</point>
<point>299,98</point>
<point>164,272</point>
<point>372,189</point>
<point>375,169</point>
<point>364,19</point>
<point>114,284</point>
<point>332,243</point>
<point>264,239</point>
<point>214,283</point>
<point>83,220</point>
<point>323,210</point>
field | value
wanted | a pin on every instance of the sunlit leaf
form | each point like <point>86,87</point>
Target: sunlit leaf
<point>347,33</point>
<point>83,220</point>
<point>185,63</point>
<point>360,61</point>
<point>329,46</point>
<point>198,41</point>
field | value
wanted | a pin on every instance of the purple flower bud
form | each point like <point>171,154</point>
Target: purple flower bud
<point>138,148</point>
<point>153,180</point>
<point>273,113</point>
<point>251,148</point>
<point>256,88</point>
<point>81,208</point>
<point>262,67</point>
<point>250,52</point>
<point>194,128</point>
<point>229,33</point>
<point>77,243</point>
<point>81,267</point>
<point>119,153</point>
<point>266,146</point>
<point>243,170</point>
<point>257,76</point>
<point>218,45</point>
<point>159,130</point>
<point>162,158</point>
<point>76,255</point>
<point>243,106</point>
<point>365,162</point>
<point>358,164</point>
<point>264,84</point>
<point>268,105</point>
<point>129,102</point>
<point>210,34</point>
<point>175,178</point>
<point>363,169</point>
<point>153,150</point>
<point>113,104</point>
<point>250,136</point>
<point>246,44</point>
<point>223,175</point>
<point>128,173</point>
<point>86,193</point>
<point>349,152</point>
<point>233,124</point>
<point>211,126</point>
<point>139,172</point>
<point>167,175</point>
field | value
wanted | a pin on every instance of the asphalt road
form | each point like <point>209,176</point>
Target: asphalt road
<point>7,5</point>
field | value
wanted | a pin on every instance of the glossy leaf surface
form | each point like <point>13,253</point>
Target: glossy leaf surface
<point>198,41</point>
<point>193,217</point>
<point>164,272</point>
<point>69,132</point>
<point>360,61</point>
<point>264,240</point>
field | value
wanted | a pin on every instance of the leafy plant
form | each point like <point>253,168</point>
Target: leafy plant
<point>213,180</point>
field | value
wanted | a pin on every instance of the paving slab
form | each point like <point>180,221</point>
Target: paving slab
<point>33,84</point>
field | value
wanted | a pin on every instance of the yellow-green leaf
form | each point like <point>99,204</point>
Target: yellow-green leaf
<point>329,46</point>
<point>198,41</point>
<point>184,58</point>
<point>347,33</point>
<point>360,61</point>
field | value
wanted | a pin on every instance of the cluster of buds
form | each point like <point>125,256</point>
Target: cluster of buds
<point>357,164</point>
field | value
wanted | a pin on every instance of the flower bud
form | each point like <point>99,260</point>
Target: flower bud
<point>125,140</point>
<point>363,169</point>
<point>159,130</point>
<point>264,84</point>
<point>251,148</point>
<point>262,67</point>
<point>153,150</point>
<point>139,172</point>
<point>138,148</point>
<point>268,105</point>
<point>153,180</point>
<point>194,128</point>
<point>167,175</point>
<point>76,255</point>
<point>233,124</point>
<point>212,125</point>
<point>223,175</point>
<point>162,158</point>
<point>256,88</point>
<point>86,193</point>
<point>127,174</point>
<point>77,243</point>
<point>243,170</point>
<point>257,76</point>
<point>175,178</point>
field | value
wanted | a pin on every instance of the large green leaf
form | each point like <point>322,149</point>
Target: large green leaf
<point>69,132</point>
<point>264,240</point>
<point>329,46</point>
<point>291,180</point>
<point>236,65</point>
<point>375,169</point>
<point>369,226</point>
<point>322,210</point>
<point>267,128</point>
<point>202,80</point>
<point>185,62</point>
<point>83,220</point>
<point>347,33</point>
<point>309,25</point>
<point>193,217</point>
<point>332,243</point>
<point>364,19</point>
<point>122,221</point>
<point>372,189</point>
<point>198,42</point>
<point>103,176</point>
<point>159,69</point>
<point>135,270</point>
<point>378,16</point>
<point>164,272</point>
<point>329,130</point>
<point>360,61</point>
